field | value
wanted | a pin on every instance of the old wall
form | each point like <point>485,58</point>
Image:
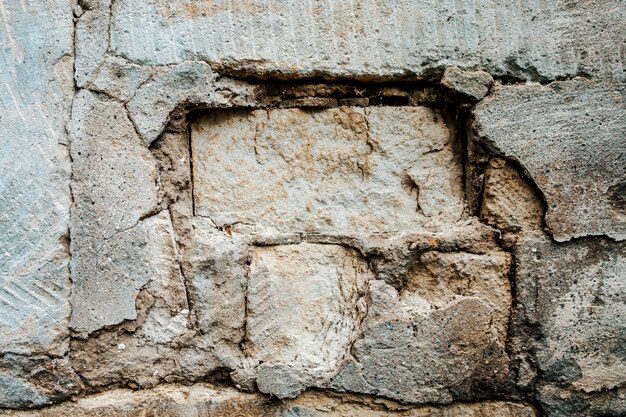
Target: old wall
<point>322,208</point>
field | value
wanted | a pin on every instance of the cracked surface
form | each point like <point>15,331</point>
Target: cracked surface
<point>584,195</point>
<point>402,228</point>
<point>342,170</point>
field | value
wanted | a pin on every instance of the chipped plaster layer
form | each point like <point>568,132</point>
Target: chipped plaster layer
<point>567,120</point>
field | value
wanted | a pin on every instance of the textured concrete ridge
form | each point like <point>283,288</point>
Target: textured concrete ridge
<point>315,208</point>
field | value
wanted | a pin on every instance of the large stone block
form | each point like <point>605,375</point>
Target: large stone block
<point>440,339</point>
<point>574,296</point>
<point>373,39</point>
<point>570,137</point>
<point>342,170</point>
<point>114,189</point>
<point>305,305</point>
<point>36,90</point>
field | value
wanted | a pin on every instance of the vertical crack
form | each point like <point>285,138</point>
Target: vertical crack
<point>191,172</point>
<point>178,255</point>
<point>69,238</point>
<point>246,344</point>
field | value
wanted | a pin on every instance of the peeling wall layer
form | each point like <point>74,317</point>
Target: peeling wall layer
<point>193,225</point>
<point>567,120</point>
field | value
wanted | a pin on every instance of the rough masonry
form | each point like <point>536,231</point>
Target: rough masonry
<point>319,208</point>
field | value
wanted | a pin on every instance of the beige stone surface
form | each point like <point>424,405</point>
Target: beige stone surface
<point>386,169</point>
<point>202,400</point>
<point>509,203</point>
<point>305,305</point>
<point>440,278</point>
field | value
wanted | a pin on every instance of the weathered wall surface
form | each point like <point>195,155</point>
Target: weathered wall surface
<point>321,208</point>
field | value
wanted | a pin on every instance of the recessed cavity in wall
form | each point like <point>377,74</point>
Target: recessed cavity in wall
<point>300,227</point>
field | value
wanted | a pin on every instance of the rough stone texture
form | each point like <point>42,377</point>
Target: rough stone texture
<point>36,381</point>
<point>509,203</point>
<point>471,84</point>
<point>305,305</point>
<point>151,302</point>
<point>341,170</point>
<point>440,278</point>
<point>416,349</point>
<point>114,188</point>
<point>551,130</point>
<point>297,307</point>
<point>573,296</point>
<point>204,400</point>
<point>325,202</point>
<point>372,39</point>
<point>36,93</point>
<point>563,403</point>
